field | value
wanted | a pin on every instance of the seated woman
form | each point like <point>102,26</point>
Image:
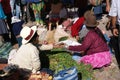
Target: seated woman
<point>94,47</point>
<point>27,56</point>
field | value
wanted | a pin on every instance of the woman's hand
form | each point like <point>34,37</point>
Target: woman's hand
<point>115,32</point>
<point>77,38</point>
<point>61,45</point>
<point>107,8</point>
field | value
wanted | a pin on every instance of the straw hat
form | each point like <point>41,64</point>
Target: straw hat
<point>27,33</point>
<point>90,19</point>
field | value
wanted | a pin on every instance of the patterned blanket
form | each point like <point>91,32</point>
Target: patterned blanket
<point>5,49</point>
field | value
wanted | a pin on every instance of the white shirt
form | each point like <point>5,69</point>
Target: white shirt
<point>27,56</point>
<point>115,9</point>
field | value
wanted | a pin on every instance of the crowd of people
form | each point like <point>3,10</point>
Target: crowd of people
<point>40,24</point>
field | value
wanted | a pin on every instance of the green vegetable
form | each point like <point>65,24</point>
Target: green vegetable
<point>64,58</point>
<point>63,38</point>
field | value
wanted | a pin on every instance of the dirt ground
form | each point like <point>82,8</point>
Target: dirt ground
<point>112,72</point>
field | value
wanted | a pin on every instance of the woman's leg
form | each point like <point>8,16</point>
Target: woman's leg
<point>18,11</point>
<point>12,3</point>
<point>13,38</point>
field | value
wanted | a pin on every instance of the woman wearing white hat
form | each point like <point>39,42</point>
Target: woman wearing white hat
<point>27,56</point>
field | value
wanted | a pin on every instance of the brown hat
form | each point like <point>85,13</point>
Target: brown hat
<point>90,19</point>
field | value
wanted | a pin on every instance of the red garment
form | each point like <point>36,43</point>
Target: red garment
<point>77,26</point>
<point>6,6</point>
<point>91,44</point>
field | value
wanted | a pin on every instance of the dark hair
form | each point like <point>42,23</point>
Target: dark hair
<point>61,20</point>
<point>82,10</point>
<point>98,31</point>
<point>55,1</point>
<point>33,38</point>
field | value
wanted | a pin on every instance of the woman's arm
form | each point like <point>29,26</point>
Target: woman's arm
<point>85,44</point>
<point>107,5</point>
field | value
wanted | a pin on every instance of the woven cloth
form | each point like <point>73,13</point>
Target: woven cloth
<point>5,49</point>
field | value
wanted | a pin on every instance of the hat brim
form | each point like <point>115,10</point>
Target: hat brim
<point>34,28</point>
<point>91,25</point>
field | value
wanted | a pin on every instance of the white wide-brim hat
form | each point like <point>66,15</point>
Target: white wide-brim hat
<point>27,33</point>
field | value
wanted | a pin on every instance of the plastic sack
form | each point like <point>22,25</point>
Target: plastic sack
<point>67,74</point>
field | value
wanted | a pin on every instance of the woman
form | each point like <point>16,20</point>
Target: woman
<point>37,9</point>
<point>3,26</point>
<point>94,46</point>
<point>27,56</point>
<point>7,11</point>
<point>56,6</point>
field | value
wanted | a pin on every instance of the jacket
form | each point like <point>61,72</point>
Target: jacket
<point>27,57</point>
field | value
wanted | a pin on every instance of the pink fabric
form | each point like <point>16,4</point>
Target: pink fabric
<point>97,60</point>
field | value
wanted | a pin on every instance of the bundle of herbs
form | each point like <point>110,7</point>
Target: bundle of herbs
<point>58,60</point>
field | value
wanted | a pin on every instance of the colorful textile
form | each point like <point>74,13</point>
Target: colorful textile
<point>97,60</point>
<point>37,7</point>
<point>5,49</point>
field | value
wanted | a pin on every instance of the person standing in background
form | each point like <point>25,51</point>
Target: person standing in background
<point>7,11</point>
<point>115,16</point>
<point>108,5</point>
<point>3,26</point>
<point>97,8</point>
<point>15,7</point>
<point>37,9</point>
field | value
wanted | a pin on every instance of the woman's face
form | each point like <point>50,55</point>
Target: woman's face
<point>36,39</point>
<point>92,18</point>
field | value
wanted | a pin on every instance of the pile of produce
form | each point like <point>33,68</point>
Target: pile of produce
<point>58,60</point>
<point>40,76</point>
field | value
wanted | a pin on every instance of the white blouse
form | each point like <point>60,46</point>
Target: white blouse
<point>115,9</point>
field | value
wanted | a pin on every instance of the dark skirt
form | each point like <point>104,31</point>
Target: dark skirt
<point>3,27</point>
